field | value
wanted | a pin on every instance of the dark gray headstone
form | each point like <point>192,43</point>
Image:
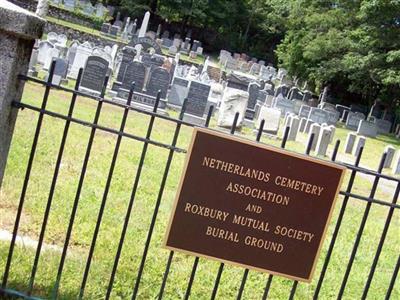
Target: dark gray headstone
<point>61,67</point>
<point>254,89</point>
<point>159,80</point>
<point>282,90</point>
<point>318,115</point>
<point>105,28</point>
<point>128,54</point>
<point>197,98</point>
<point>114,30</point>
<point>135,72</point>
<point>179,91</point>
<point>166,42</point>
<point>353,120</point>
<point>94,73</point>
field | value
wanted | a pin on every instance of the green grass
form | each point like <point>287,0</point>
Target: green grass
<point>117,201</point>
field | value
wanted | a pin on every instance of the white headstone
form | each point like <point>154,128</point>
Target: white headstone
<point>350,141</point>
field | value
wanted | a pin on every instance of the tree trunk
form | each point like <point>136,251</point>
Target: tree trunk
<point>153,6</point>
<point>42,8</point>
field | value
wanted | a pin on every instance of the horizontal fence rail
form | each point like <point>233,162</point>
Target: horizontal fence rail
<point>172,148</point>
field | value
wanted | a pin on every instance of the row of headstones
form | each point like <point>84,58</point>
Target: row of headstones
<point>69,60</point>
<point>357,121</point>
<point>354,143</point>
<point>99,10</point>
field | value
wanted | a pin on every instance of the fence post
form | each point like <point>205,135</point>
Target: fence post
<point>18,30</point>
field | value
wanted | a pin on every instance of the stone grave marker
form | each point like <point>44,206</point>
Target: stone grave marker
<point>159,80</point>
<point>135,72</point>
<point>253,91</point>
<point>272,117</point>
<point>396,167</point>
<point>294,128</point>
<point>353,120</point>
<point>44,51</point>
<point>360,142</point>
<point>69,4</point>
<point>83,51</point>
<point>94,74</point>
<point>179,91</point>
<point>367,128</point>
<point>315,129</point>
<point>318,115</point>
<point>284,105</point>
<point>390,152</point>
<point>302,126</point>
<point>323,141</point>
<point>384,126</point>
<point>304,111</point>
<point>197,99</point>
<point>350,141</point>
<point>233,101</point>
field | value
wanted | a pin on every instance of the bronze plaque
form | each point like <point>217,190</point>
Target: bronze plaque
<point>253,205</point>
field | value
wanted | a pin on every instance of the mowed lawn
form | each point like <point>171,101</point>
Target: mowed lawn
<point>117,201</point>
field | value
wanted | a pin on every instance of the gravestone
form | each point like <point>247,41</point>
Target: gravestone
<point>384,126</point>
<point>360,142</point>
<point>396,167</point>
<point>272,117</point>
<point>295,94</point>
<point>83,51</point>
<point>233,101</point>
<point>197,98</point>
<point>284,105</point>
<point>350,141</point>
<point>308,125</point>
<point>282,90</point>
<point>323,141</point>
<point>353,120</point>
<point>297,106</point>
<point>314,129</point>
<point>294,128</point>
<point>127,56</point>
<point>253,91</point>
<point>341,109</point>
<point>332,128</point>
<point>367,128</point>
<point>302,126</point>
<point>318,115</point>
<point>166,43</point>
<point>390,152</point>
<point>135,72</point>
<point>44,50</point>
<point>72,52</point>
<point>304,111</point>
<point>69,4</point>
<point>60,70</point>
<point>94,74</point>
<point>159,80</point>
<point>179,91</point>
<point>53,53</point>
<point>32,63</point>
<point>105,28</point>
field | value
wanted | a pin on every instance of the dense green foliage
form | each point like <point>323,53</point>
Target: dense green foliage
<point>351,46</point>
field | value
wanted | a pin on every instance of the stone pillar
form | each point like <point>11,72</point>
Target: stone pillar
<point>18,30</point>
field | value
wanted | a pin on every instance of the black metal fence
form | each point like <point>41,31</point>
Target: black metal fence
<point>28,291</point>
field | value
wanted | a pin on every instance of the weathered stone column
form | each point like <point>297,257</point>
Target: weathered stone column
<point>18,30</point>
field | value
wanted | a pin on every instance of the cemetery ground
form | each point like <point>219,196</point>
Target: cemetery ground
<point>116,206</point>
